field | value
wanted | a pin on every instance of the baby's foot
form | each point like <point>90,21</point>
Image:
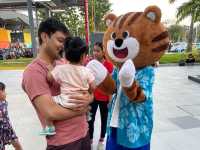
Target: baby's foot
<point>49,130</point>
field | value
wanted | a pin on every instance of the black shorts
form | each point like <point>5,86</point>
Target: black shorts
<point>81,144</point>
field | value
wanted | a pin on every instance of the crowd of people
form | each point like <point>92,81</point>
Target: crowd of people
<point>14,53</point>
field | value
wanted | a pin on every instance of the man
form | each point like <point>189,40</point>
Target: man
<point>71,134</point>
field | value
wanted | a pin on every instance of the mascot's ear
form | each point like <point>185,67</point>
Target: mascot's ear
<point>109,18</point>
<point>153,13</point>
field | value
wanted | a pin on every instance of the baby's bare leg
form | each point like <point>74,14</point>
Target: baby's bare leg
<point>49,123</point>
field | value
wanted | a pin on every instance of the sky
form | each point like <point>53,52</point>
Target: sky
<point>168,10</point>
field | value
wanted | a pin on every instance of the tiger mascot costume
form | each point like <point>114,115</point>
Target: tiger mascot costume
<point>132,42</point>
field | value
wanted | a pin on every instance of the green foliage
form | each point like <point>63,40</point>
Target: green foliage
<point>171,58</point>
<point>177,33</point>
<point>101,7</point>
<point>190,8</point>
<point>73,17</point>
<point>176,57</point>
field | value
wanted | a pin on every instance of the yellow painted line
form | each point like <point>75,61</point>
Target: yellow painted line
<point>12,68</point>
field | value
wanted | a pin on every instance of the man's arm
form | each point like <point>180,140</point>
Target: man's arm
<point>52,111</point>
<point>36,86</point>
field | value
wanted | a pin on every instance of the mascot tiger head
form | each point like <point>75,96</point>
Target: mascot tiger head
<point>139,36</point>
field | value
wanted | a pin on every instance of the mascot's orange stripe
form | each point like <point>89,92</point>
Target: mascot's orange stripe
<point>122,21</point>
<point>140,94</point>
<point>161,48</point>
<point>114,24</point>
<point>161,36</point>
<point>134,18</point>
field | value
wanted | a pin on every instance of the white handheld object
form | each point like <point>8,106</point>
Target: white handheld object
<point>98,70</point>
<point>127,73</point>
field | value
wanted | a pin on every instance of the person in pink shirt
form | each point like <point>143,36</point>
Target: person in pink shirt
<point>71,133</point>
<point>74,78</point>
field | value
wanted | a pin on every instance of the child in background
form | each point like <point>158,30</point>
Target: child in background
<point>7,134</point>
<point>101,100</point>
<point>74,78</point>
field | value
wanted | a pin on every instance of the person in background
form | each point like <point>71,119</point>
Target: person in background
<point>190,59</point>
<point>7,134</point>
<point>100,99</point>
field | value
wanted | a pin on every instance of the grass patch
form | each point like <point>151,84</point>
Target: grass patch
<point>14,64</point>
<point>171,58</point>
<point>21,63</point>
<point>176,57</point>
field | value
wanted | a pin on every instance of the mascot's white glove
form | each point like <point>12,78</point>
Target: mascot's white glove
<point>127,73</point>
<point>98,70</point>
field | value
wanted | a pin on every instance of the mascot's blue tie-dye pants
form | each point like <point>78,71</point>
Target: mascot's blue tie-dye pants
<point>111,143</point>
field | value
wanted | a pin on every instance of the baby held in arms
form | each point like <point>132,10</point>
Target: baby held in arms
<point>73,77</point>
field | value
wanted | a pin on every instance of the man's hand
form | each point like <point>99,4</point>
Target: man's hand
<point>52,111</point>
<point>82,110</point>
<point>81,100</point>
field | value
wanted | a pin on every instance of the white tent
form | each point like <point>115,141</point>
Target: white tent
<point>13,15</point>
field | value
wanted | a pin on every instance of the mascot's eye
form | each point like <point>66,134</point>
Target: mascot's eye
<point>125,34</point>
<point>113,35</point>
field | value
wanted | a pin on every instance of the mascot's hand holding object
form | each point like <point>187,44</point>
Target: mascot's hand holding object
<point>132,42</point>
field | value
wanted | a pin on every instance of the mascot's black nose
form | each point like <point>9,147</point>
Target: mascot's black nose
<point>118,42</point>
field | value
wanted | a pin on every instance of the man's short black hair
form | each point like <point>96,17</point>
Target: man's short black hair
<point>2,86</point>
<point>74,49</point>
<point>50,26</point>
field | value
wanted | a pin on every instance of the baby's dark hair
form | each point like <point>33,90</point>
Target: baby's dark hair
<point>99,44</point>
<point>2,86</point>
<point>74,49</point>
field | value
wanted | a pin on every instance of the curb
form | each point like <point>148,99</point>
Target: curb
<point>194,78</point>
<point>176,64</point>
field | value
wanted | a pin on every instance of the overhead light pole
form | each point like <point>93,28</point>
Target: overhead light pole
<point>31,25</point>
<point>86,22</point>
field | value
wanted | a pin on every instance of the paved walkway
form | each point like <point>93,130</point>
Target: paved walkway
<point>176,105</point>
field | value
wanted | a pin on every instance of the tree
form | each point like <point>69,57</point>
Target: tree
<point>73,17</point>
<point>197,34</point>
<point>101,7</point>
<point>187,9</point>
<point>177,33</point>
<point>70,17</point>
